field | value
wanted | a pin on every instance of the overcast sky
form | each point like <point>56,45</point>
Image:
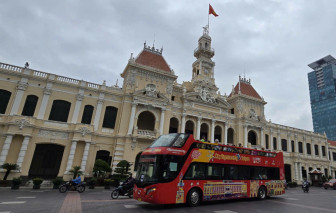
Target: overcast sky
<point>270,41</point>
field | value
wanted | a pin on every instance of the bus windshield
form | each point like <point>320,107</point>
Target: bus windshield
<point>170,140</point>
<point>158,169</point>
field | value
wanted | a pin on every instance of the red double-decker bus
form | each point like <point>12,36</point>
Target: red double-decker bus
<point>178,169</point>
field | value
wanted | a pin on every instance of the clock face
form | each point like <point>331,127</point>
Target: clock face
<point>206,71</point>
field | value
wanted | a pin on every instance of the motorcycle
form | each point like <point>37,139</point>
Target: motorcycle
<point>305,187</point>
<point>70,186</point>
<point>123,190</point>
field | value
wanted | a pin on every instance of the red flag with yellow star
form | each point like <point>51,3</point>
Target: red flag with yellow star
<point>212,11</point>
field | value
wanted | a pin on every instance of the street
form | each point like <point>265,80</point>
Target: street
<point>99,200</point>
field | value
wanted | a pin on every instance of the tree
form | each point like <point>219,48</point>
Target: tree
<point>123,169</point>
<point>75,171</point>
<point>9,167</point>
<point>101,167</point>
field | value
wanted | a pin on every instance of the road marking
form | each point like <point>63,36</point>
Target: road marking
<point>304,206</point>
<point>36,191</point>
<point>116,200</point>
<point>4,212</point>
<point>13,202</point>
<point>131,206</point>
<point>25,197</point>
<point>291,198</point>
<point>225,211</point>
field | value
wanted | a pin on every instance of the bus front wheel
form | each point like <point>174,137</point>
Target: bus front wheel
<point>194,197</point>
<point>262,193</point>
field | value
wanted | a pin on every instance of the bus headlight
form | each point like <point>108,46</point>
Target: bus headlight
<point>151,190</point>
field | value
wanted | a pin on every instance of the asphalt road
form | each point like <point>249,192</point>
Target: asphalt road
<point>99,200</point>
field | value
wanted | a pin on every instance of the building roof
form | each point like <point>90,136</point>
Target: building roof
<point>332,143</point>
<point>245,88</point>
<point>323,61</point>
<point>152,58</point>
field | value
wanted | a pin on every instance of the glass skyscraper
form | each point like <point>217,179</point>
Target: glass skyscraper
<point>322,89</point>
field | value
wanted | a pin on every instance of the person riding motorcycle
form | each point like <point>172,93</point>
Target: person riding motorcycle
<point>76,181</point>
<point>305,185</point>
<point>129,183</point>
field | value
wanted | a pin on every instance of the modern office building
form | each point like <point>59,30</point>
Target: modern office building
<point>50,123</point>
<point>322,89</point>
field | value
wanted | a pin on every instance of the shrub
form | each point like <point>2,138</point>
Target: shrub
<point>107,182</point>
<point>292,184</point>
<point>57,181</point>
<point>16,181</point>
<point>100,168</point>
<point>37,181</point>
<point>92,181</point>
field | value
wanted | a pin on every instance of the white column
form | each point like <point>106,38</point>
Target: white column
<point>331,156</point>
<point>300,171</point>
<point>226,134</point>
<point>46,94</point>
<point>98,111</point>
<point>85,155</point>
<point>183,123</point>
<point>296,144</point>
<point>162,120</point>
<point>305,146</point>
<point>5,149</point>
<point>21,87</point>
<point>271,140</point>
<point>71,156</point>
<point>23,150</point>
<point>245,135</point>
<point>262,137</point>
<point>75,114</point>
<point>212,131</point>
<point>289,143</point>
<point>327,151</point>
<point>296,171</point>
<point>198,134</point>
<point>279,147</point>
<point>131,122</point>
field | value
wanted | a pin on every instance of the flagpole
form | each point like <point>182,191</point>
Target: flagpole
<point>208,22</point>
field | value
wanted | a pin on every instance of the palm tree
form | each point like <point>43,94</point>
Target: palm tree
<point>75,171</point>
<point>9,167</point>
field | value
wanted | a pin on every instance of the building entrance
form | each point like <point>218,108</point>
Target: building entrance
<point>288,173</point>
<point>46,161</point>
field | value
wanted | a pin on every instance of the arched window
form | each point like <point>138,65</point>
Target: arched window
<point>300,147</point>
<point>275,147</point>
<point>252,137</point>
<point>146,121</point>
<point>284,145</point>
<point>173,125</point>
<point>204,131</point>
<point>104,155</point>
<point>316,149</point>
<point>189,127</point>
<point>218,133</point>
<point>267,141</point>
<point>230,136</point>
<point>293,146</point>
<point>60,111</point>
<point>4,99</point>
<point>87,114</point>
<point>110,117</point>
<point>30,105</point>
<point>308,148</point>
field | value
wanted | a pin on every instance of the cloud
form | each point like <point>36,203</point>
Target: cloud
<point>270,42</point>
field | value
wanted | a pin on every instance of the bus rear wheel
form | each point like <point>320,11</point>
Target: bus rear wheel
<point>194,197</point>
<point>262,193</point>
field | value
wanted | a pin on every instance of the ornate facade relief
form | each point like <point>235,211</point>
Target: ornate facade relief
<point>22,123</point>
<point>52,134</point>
<point>150,91</point>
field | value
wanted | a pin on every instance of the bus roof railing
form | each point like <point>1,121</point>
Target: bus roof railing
<point>235,149</point>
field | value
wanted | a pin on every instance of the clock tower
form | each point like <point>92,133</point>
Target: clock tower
<point>203,79</point>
